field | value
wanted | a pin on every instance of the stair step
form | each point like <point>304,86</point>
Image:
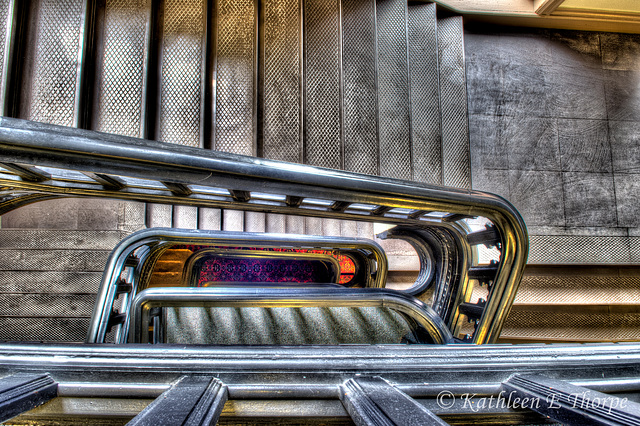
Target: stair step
<point>209,219</point>
<point>394,118</point>
<point>322,137</point>
<point>456,162</point>
<point>6,19</point>
<point>119,106</point>
<point>255,222</point>
<point>185,217</point>
<point>47,305</point>
<point>359,100</point>
<point>49,282</point>
<point>159,215</point>
<point>44,329</point>
<point>426,146</point>
<point>582,290</point>
<point>59,239</point>
<point>557,325</point>
<point>236,77</point>
<point>281,83</point>
<point>182,66</point>
<point>53,260</point>
<point>581,285</point>
<point>276,223</point>
<point>613,308</point>
<point>51,63</point>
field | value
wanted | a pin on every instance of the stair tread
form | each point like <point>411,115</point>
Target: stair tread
<point>47,305</point>
<point>53,260</point>
<point>59,239</point>
<point>44,329</point>
<point>49,281</point>
<point>425,96</point>
<point>453,104</point>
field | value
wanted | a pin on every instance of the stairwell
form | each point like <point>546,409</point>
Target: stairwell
<point>354,85</point>
<point>375,87</point>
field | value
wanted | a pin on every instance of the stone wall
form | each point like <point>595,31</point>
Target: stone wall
<point>555,128</point>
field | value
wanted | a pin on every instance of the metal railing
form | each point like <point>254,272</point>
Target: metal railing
<point>458,383</point>
<point>57,161</point>
<point>292,297</point>
<point>131,265</point>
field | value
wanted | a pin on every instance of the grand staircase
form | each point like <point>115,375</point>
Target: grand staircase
<point>375,87</point>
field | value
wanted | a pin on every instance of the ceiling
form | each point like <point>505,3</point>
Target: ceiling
<point>600,6</point>
<point>591,15</point>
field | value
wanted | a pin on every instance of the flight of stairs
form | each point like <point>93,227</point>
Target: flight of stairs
<point>368,86</point>
<point>49,280</point>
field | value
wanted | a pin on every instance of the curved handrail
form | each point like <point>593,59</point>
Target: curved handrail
<point>55,146</point>
<point>273,297</point>
<point>119,255</point>
<point>446,296</point>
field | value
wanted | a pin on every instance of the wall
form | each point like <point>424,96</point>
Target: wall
<point>555,128</point>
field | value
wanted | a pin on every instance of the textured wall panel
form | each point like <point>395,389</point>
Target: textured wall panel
<point>426,145</point>
<point>282,78</point>
<point>322,84</point>
<point>121,89</point>
<point>54,83</point>
<point>453,104</point>
<point>359,82</point>
<point>393,89</point>
<point>235,77</point>
<point>182,68</point>
<point>5,18</point>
